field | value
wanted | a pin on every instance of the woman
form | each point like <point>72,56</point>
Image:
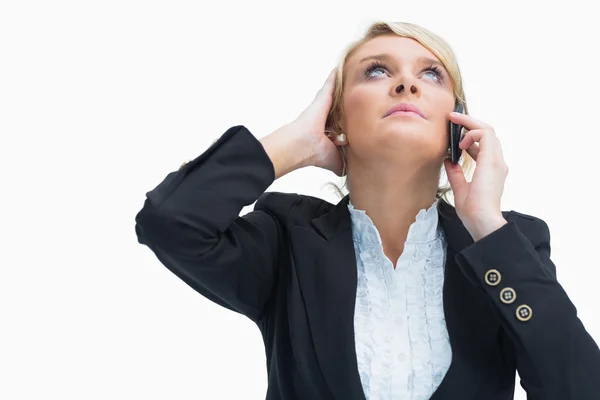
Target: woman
<point>392,293</point>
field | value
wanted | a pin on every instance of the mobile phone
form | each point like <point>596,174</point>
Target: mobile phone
<point>455,136</point>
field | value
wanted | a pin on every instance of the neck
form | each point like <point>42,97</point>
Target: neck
<point>392,200</point>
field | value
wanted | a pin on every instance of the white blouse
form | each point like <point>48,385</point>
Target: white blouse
<point>401,338</point>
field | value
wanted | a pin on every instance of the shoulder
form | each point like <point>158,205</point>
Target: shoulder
<point>292,208</point>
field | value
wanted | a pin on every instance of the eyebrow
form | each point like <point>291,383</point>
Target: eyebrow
<point>420,60</point>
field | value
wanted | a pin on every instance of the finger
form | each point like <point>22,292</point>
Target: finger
<point>475,139</point>
<point>328,85</point>
<point>468,121</point>
<point>329,82</point>
<point>332,74</point>
<point>477,136</point>
<point>468,144</point>
<point>473,151</point>
<point>456,177</point>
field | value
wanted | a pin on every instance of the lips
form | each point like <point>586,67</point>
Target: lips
<point>405,107</point>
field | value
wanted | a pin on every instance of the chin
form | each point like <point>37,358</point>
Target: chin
<point>418,144</point>
<point>406,134</point>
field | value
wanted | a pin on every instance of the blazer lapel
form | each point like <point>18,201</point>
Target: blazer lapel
<point>326,272</point>
<point>328,276</point>
<point>457,237</point>
<point>460,380</point>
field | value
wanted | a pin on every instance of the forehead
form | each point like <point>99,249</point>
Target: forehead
<point>400,48</point>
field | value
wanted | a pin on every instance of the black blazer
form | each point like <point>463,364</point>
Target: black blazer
<point>289,266</point>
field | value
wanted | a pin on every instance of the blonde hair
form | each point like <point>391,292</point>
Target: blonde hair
<point>438,46</point>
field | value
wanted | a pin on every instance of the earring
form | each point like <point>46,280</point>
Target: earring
<point>342,137</point>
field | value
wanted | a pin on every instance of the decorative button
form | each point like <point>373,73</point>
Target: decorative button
<point>524,313</point>
<point>493,277</point>
<point>508,295</point>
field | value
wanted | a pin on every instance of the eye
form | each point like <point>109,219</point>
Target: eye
<point>436,73</point>
<point>374,66</point>
<point>433,71</point>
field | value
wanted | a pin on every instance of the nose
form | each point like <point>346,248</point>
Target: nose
<point>400,89</point>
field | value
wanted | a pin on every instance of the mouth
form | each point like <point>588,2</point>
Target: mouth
<point>404,109</point>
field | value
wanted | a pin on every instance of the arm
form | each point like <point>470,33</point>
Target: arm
<point>191,222</point>
<point>556,357</point>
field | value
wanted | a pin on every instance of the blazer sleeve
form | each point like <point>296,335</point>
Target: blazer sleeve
<point>191,222</point>
<point>556,357</point>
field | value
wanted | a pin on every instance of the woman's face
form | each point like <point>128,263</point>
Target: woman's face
<point>372,75</point>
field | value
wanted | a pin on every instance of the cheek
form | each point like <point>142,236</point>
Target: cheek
<point>359,104</point>
<point>445,105</point>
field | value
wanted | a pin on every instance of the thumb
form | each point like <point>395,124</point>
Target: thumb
<point>325,93</point>
<point>456,177</point>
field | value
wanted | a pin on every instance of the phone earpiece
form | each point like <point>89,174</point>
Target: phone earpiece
<point>455,136</point>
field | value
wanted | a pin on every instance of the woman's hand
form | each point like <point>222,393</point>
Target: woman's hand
<point>302,142</point>
<point>310,124</point>
<point>478,202</point>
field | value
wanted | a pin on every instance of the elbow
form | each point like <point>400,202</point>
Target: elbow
<point>146,226</point>
<point>140,227</point>
<point>170,233</point>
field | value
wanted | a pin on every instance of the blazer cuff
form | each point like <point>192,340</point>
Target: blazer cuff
<point>506,266</point>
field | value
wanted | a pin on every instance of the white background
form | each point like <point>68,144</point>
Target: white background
<point>99,100</point>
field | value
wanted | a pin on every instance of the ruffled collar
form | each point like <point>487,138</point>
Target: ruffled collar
<point>424,229</point>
